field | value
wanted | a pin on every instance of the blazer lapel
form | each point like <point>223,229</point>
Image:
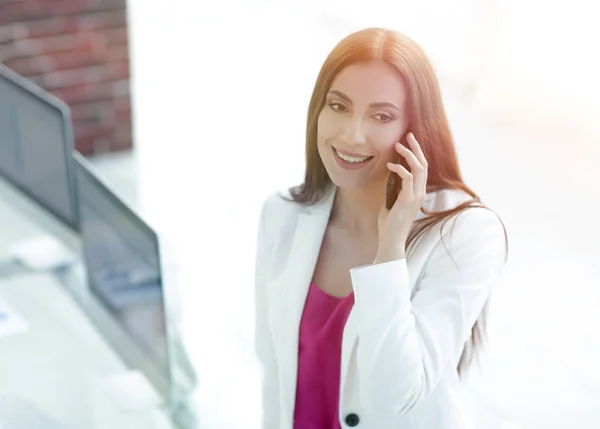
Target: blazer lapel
<point>305,248</point>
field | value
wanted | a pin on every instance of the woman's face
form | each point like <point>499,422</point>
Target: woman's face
<point>364,115</point>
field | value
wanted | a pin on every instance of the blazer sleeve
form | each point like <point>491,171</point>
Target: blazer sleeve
<point>404,347</point>
<point>262,335</point>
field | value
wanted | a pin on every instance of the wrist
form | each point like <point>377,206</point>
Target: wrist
<point>390,253</point>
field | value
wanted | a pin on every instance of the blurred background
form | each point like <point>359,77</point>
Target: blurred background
<point>195,111</point>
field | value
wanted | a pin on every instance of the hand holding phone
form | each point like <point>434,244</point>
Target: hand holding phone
<point>405,192</point>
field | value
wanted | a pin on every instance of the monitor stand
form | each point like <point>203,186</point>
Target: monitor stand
<point>184,416</point>
<point>183,410</point>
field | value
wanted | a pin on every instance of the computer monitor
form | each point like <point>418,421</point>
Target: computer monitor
<point>36,144</point>
<point>124,270</point>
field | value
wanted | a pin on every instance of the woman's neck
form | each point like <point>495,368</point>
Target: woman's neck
<point>357,210</point>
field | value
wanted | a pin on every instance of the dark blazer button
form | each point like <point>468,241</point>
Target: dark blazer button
<point>352,420</point>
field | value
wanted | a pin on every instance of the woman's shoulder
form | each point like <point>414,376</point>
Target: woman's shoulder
<point>279,212</point>
<point>278,202</point>
<point>449,199</point>
<point>445,199</point>
<point>477,219</point>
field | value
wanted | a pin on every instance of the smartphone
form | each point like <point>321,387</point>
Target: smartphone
<point>394,185</point>
<point>394,182</point>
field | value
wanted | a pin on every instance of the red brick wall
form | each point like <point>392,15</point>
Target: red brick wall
<point>78,50</point>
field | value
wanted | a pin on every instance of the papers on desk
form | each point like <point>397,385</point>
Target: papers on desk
<point>10,322</point>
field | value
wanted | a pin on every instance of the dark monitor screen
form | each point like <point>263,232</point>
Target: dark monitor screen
<point>122,257</point>
<point>36,145</point>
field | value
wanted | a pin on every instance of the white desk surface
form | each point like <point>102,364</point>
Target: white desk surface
<point>61,361</point>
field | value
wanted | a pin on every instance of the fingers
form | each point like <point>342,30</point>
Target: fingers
<point>411,159</point>
<point>421,180</point>
<point>401,171</point>
<point>416,148</point>
<point>417,163</point>
<point>407,179</point>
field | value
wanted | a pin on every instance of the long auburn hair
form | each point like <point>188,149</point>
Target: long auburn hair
<point>427,121</point>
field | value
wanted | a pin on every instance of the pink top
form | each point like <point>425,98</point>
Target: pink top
<point>319,360</point>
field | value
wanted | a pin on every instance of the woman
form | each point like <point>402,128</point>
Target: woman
<point>365,315</point>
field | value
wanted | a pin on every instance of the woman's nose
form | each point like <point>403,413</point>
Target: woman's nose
<point>354,132</point>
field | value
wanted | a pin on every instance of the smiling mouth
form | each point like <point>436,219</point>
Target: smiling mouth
<point>352,159</point>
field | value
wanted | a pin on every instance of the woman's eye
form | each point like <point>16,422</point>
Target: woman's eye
<point>383,118</point>
<point>337,107</point>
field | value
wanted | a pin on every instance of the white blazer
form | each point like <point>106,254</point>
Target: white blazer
<point>405,334</point>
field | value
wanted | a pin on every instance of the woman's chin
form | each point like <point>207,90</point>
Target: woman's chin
<point>343,181</point>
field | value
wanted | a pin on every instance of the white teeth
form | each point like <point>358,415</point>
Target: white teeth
<point>352,159</point>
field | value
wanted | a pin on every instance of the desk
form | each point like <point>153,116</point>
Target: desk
<point>61,363</point>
